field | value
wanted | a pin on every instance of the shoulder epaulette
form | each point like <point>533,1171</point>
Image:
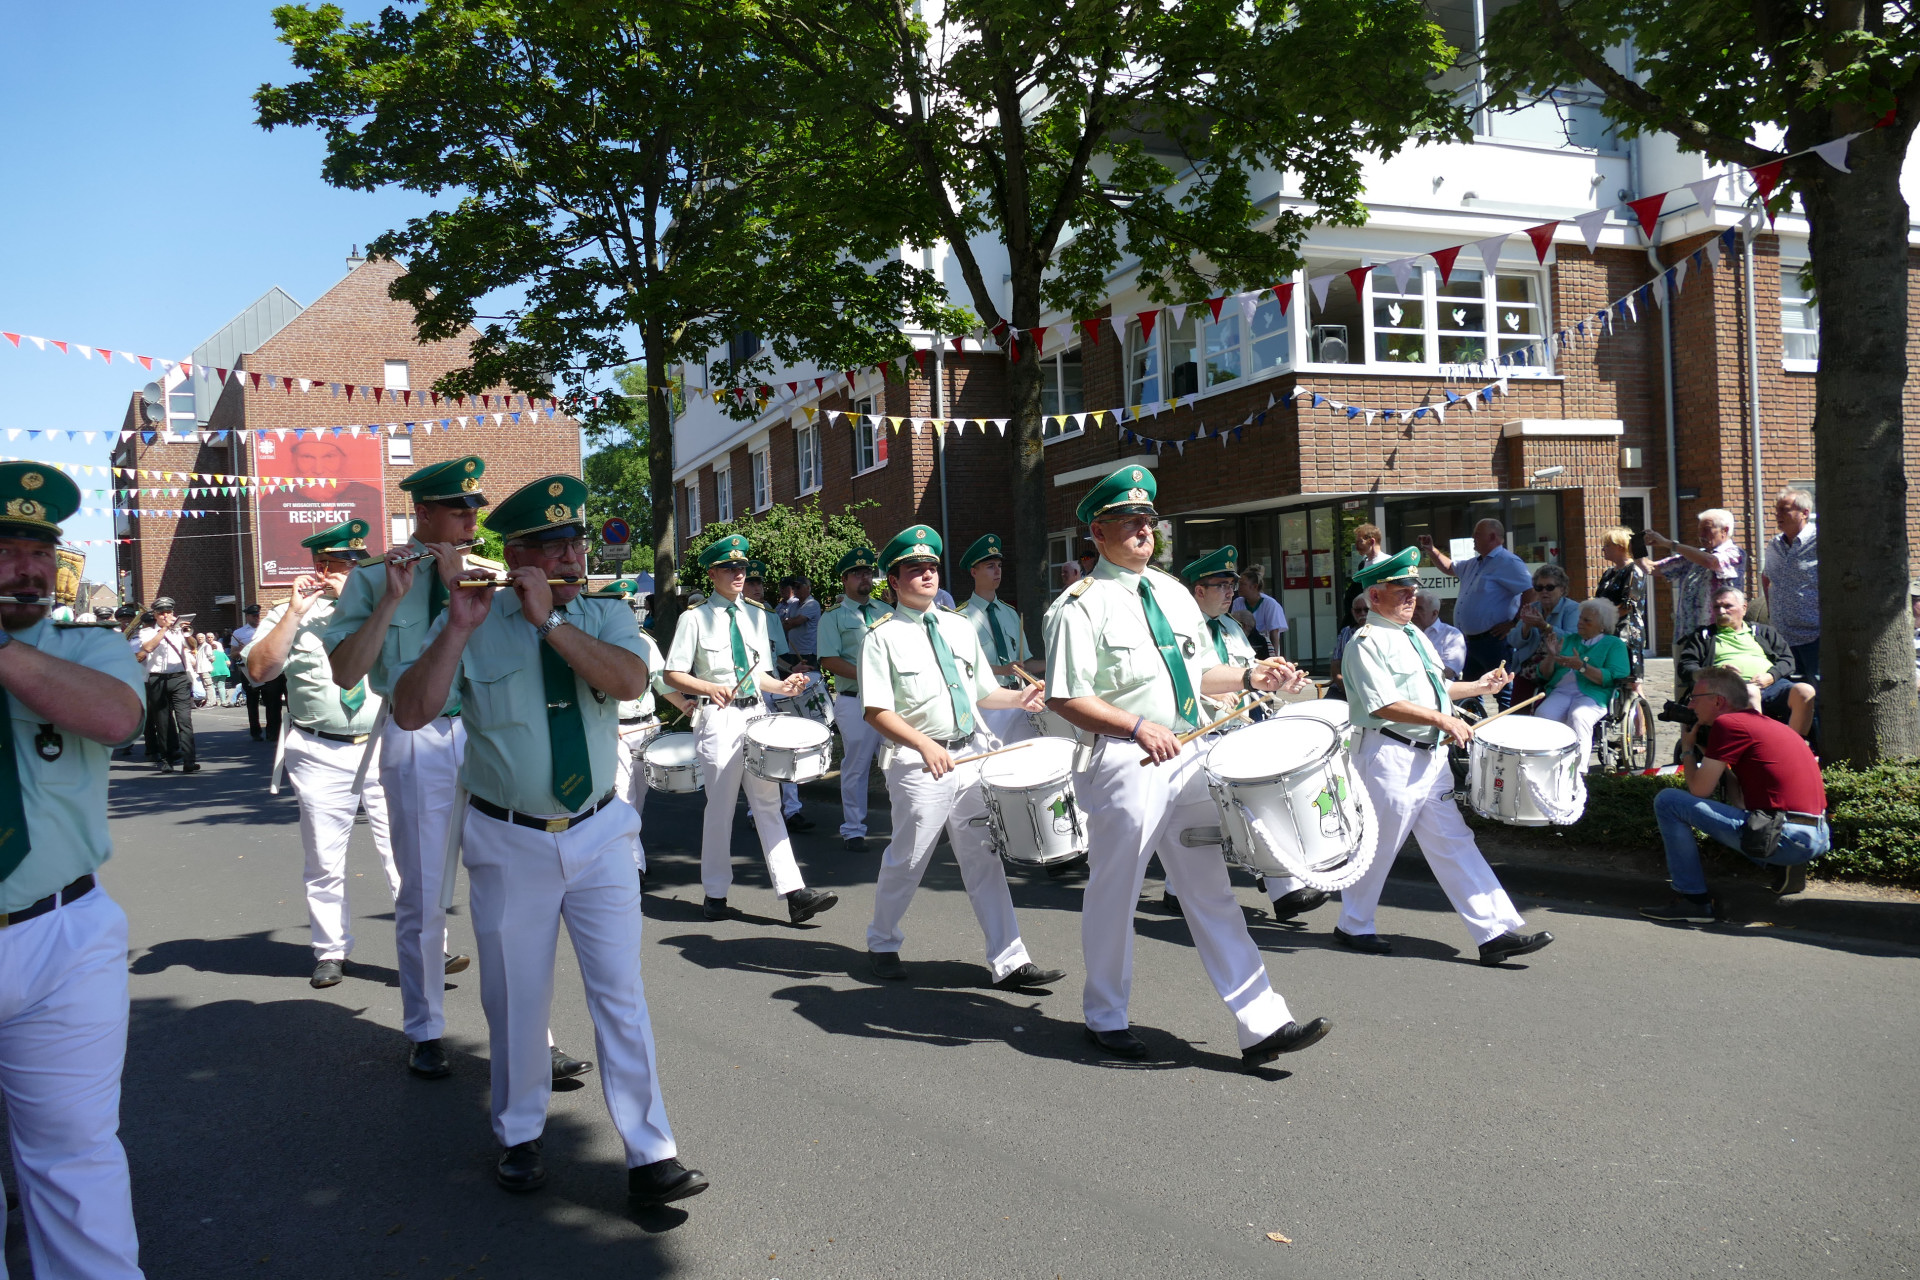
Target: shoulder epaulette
<point>758,604</point>
<point>954,609</point>
<point>1164,574</point>
<point>1079,588</point>
<point>888,616</point>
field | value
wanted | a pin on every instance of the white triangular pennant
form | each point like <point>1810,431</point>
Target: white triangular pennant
<point>1590,225</point>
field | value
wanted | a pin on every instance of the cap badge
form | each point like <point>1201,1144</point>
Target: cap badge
<point>26,507</point>
<point>470,484</point>
<point>559,511</point>
<point>32,480</point>
<point>1136,477</point>
<point>356,544</point>
<point>555,489</point>
<point>1136,495</point>
<point>471,464</point>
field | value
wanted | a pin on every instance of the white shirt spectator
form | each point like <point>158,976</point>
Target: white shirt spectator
<point>168,656</point>
<point>806,637</point>
<point>1268,616</point>
<point>1451,644</point>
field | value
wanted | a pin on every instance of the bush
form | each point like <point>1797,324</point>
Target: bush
<point>1874,815</point>
<point>792,540</point>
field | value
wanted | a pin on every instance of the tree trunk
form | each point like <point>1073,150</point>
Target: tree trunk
<point>1029,483</point>
<point>666,603</point>
<point>1858,242</point>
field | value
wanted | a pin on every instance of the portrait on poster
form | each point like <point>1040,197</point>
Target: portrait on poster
<point>342,476</point>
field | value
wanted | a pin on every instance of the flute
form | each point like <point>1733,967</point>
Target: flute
<point>412,556</point>
<point>501,582</point>
<point>28,597</point>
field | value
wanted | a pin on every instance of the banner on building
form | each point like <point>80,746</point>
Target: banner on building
<point>338,478</point>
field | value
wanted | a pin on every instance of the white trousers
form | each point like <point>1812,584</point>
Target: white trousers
<point>1276,886</point>
<point>63,1041</point>
<point>789,799</point>
<point>720,741</point>
<point>858,743</point>
<point>521,884</point>
<point>420,770</point>
<point>1009,724</point>
<point>322,772</point>
<point>1575,710</point>
<point>630,780</point>
<point>922,807</point>
<point>1409,789</point>
<point>1129,811</point>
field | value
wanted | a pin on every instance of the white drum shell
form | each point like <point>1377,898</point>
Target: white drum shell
<point>789,748</point>
<point>1308,816</point>
<point>812,703</point>
<point>1048,725</point>
<point>670,764</point>
<point>1526,772</point>
<point>1033,818</point>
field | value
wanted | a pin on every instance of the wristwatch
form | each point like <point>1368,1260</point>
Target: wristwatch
<point>554,620</point>
<point>1246,678</point>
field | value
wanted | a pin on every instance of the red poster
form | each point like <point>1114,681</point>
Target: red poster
<point>348,469</point>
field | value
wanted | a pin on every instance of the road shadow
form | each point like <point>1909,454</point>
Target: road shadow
<point>286,1138</point>
<point>250,955</point>
<point>230,788</point>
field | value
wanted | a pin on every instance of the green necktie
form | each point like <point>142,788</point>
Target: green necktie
<point>740,664</point>
<point>1184,702</point>
<point>14,844</point>
<point>436,593</point>
<point>352,699</point>
<point>1219,630</point>
<point>1000,658</point>
<point>864,615</point>
<point>1439,689</point>
<point>566,731</point>
<point>962,702</point>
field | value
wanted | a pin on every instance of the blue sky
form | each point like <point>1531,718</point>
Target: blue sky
<point>145,208</point>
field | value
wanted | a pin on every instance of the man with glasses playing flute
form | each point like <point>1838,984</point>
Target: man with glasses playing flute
<point>722,655</point>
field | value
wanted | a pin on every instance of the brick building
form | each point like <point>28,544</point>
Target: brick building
<point>1578,442</point>
<point>244,549</point>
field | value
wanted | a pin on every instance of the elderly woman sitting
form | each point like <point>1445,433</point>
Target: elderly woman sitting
<point>1583,666</point>
<point>1551,612</point>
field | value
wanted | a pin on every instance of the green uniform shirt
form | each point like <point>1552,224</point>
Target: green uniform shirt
<point>703,643</point>
<point>66,799</point>
<point>313,699</point>
<point>1740,650</point>
<point>503,697</point>
<point>900,673</point>
<point>642,707</point>
<point>1099,646</point>
<point>843,630</point>
<point>406,633</point>
<point>976,610</point>
<point>1382,664</point>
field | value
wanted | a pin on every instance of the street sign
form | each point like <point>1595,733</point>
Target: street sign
<point>615,530</point>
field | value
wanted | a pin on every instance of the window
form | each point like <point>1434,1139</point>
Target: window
<point>762,484</point>
<point>1060,392</point>
<point>742,347</point>
<point>1201,353</point>
<point>806,448</point>
<point>723,496</point>
<point>399,451</point>
<point>1468,319</point>
<point>180,403</point>
<point>401,528</point>
<point>1059,556</point>
<point>397,376</point>
<point>869,437</point>
<point>693,507</point>
<point>1799,318</point>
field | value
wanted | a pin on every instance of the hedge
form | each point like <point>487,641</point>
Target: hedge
<point>1874,815</point>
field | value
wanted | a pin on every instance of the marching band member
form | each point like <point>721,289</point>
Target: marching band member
<point>379,626</point>
<point>925,681</point>
<point>723,653</point>
<point>1128,657</point>
<point>331,727</point>
<point>785,660</point>
<point>540,672</point>
<point>1001,636</point>
<point>638,723</point>
<point>1399,697</point>
<point>71,694</point>
<point>843,629</point>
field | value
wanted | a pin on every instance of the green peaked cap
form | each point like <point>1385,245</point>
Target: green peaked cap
<point>985,547</point>
<point>730,550</point>
<point>348,538</point>
<point>915,542</point>
<point>445,481</point>
<point>1402,566</point>
<point>1127,492</point>
<point>1214,563</point>
<point>551,505</point>
<point>858,558</point>
<point>34,499</point>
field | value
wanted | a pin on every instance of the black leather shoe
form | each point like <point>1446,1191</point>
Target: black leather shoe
<point>258,738</point>
<point>804,904</point>
<point>565,1068</point>
<point>328,973</point>
<point>1171,905</point>
<point>1030,975</point>
<point>856,844</point>
<point>799,822</point>
<point>661,1182</point>
<point>1787,881</point>
<point>1072,868</point>
<point>164,766</point>
<point>428,1060</point>
<point>1296,901</point>
<point>521,1166</point>
<point>190,768</point>
<point>458,964</point>
<point>1371,944</point>
<point>1511,944</point>
<point>1121,1044</point>
<point>886,964</point>
<point>715,909</point>
<point>1289,1039</point>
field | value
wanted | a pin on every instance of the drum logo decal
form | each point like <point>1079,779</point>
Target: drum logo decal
<point>1059,809</point>
<point>1328,803</point>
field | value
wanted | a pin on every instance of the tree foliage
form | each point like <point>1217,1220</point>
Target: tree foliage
<point>803,539</point>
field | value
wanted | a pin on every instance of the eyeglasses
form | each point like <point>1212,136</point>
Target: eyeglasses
<point>1695,697</point>
<point>551,550</point>
<point>1546,588</point>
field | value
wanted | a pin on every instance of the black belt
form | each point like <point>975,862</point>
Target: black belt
<point>552,826</point>
<point>78,889</point>
<point>640,720</point>
<point>956,744</point>
<point>1403,738</point>
<point>355,738</point>
<point>842,691</point>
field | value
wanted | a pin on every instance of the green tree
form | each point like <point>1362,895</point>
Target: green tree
<point>793,540</point>
<point>619,473</point>
<point>1076,132</point>
<point>1712,73</point>
<point>631,172</point>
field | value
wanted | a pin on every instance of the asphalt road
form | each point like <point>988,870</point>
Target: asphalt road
<point>1633,1101</point>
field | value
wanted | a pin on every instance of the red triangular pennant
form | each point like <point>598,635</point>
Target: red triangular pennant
<point>1091,328</point>
<point>920,358</point>
<point>1039,337</point>
<point>146,362</point>
<point>406,396</point>
<point>1146,319</point>
<point>14,338</point>
<point>819,385</point>
<point>959,346</point>
<point>1765,178</point>
<point>1542,237</point>
<point>1214,305</point>
<point>56,342</point>
<point>1647,209</point>
<point>1284,292</point>
<point>1359,278</point>
<point>105,354</point>
<point>1443,258</point>
<point>349,393</point>
<point>793,388</point>
<point>256,380</point>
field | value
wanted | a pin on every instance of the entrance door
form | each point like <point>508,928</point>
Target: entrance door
<point>1636,513</point>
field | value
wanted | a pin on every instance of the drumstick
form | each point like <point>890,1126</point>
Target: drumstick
<point>1205,729</point>
<point>1518,706</point>
<point>1028,676</point>
<point>997,751</point>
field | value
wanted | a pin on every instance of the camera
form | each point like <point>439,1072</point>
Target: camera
<point>1678,713</point>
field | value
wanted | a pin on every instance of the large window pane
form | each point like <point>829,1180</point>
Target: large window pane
<point>1517,317</point>
<point>1338,335</point>
<point>1400,318</point>
<point>1143,365</point>
<point>1799,316</point>
<point>1183,370</point>
<point>1271,345</point>
<point>1462,318</point>
<point>1223,349</point>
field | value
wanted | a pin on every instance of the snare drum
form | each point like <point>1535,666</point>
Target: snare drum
<point>811,703</point>
<point>1527,772</point>
<point>789,748</point>
<point>1290,803</point>
<point>670,764</point>
<point>1032,816</point>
